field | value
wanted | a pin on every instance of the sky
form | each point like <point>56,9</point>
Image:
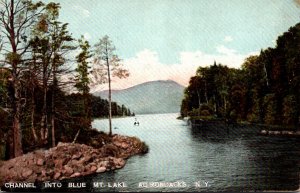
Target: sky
<point>170,39</point>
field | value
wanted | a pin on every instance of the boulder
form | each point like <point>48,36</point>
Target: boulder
<point>58,162</point>
<point>43,172</point>
<point>125,145</point>
<point>77,156</point>
<point>87,158</point>
<point>26,173</point>
<point>56,175</point>
<point>68,160</point>
<point>119,161</point>
<point>264,132</point>
<point>68,170</point>
<point>277,132</point>
<point>100,170</point>
<point>40,162</point>
<point>93,168</point>
<point>76,174</point>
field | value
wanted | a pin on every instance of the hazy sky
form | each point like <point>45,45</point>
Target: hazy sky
<point>169,39</point>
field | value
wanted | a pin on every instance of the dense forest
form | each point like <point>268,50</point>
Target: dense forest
<point>37,51</point>
<point>264,90</point>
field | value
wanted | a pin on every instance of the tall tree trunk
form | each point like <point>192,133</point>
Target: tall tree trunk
<point>53,106</point>
<point>44,117</point>
<point>17,140</point>
<point>32,83</point>
<point>32,116</point>
<point>199,99</point>
<point>52,118</point>
<point>266,74</point>
<point>206,97</point>
<point>109,97</point>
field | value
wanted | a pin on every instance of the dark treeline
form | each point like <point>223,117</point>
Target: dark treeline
<point>35,110</point>
<point>99,107</point>
<point>265,90</point>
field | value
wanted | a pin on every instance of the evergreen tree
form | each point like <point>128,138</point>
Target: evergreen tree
<point>82,79</point>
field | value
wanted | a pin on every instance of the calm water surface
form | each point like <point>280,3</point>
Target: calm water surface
<point>235,161</point>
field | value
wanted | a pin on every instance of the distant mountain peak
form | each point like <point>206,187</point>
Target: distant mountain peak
<point>159,96</point>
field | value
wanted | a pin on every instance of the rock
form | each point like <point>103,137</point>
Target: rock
<point>93,168</point>
<point>77,156</point>
<point>125,145</point>
<point>68,170</point>
<point>73,163</point>
<point>79,168</point>
<point>119,162</point>
<point>30,162</point>
<point>271,132</point>
<point>290,133</point>
<point>43,172</point>
<point>81,161</point>
<point>101,170</point>
<point>31,178</point>
<point>68,160</point>
<point>276,132</point>
<point>264,132</point>
<point>119,166</point>
<point>87,158</point>
<point>59,163</point>
<point>56,175</point>
<point>60,144</point>
<point>76,174</point>
<point>102,164</point>
<point>50,173</point>
<point>40,162</point>
<point>27,173</point>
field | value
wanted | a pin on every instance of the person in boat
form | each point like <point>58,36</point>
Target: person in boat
<point>136,123</point>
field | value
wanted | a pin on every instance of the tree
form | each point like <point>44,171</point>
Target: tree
<point>49,43</point>
<point>16,18</point>
<point>82,79</point>
<point>107,65</point>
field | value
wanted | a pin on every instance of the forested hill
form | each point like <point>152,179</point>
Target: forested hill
<point>265,90</point>
<point>150,97</point>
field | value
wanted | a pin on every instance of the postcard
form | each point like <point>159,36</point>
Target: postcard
<point>149,96</point>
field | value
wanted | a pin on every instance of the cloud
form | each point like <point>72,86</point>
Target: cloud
<point>224,50</point>
<point>82,11</point>
<point>228,39</point>
<point>146,66</point>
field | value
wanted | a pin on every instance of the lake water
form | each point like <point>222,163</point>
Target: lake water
<point>210,158</point>
<point>201,160</point>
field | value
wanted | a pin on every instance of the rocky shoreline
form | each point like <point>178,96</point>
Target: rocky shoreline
<point>69,160</point>
<point>280,133</point>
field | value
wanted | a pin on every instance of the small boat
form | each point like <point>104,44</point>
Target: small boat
<point>136,123</point>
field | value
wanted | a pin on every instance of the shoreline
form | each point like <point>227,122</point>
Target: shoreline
<point>266,130</point>
<point>70,160</point>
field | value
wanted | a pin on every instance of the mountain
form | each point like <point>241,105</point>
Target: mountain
<point>162,96</point>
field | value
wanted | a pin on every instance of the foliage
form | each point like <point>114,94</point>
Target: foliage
<point>107,65</point>
<point>32,99</point>
<point>82,79</point>
<point>265,90</point>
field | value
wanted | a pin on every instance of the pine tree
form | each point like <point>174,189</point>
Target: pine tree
<point>82,78</point>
